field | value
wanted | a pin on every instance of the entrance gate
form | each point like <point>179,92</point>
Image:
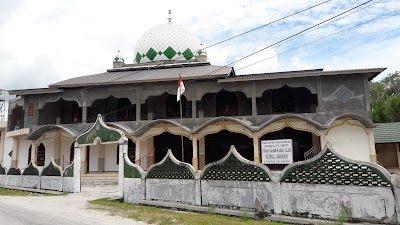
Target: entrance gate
<point>103,134</point>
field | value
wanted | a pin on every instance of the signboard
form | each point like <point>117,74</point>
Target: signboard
<point>277,151</point>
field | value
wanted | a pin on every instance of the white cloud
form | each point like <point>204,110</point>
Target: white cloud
<point>301,64</point>
<point>266,61</point>
<point>46,41</point>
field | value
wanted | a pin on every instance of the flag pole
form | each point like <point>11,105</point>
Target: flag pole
<point>180,108</point>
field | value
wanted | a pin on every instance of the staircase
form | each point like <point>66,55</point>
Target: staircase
<point>312,152</point>
<point>93,179</point>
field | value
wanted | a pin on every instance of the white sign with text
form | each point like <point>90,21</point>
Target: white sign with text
<point>277,151</point>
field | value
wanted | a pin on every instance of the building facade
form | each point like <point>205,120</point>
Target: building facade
<point>219,109</point>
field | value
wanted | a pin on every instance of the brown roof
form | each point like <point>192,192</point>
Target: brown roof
<point>147,74</point>
<point>371,72</point>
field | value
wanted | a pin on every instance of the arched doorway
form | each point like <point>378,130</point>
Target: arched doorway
<point>173,107</point>
<point>226,104</point>
<point>302,141</point>
<point>126,111</point>
<point>217,145</point>
<point>166,141</point>
<point>41,155</point>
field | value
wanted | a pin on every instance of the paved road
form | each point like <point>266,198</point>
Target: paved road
<point>60,210</point>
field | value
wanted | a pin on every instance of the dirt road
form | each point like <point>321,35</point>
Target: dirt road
<point>68,209</point>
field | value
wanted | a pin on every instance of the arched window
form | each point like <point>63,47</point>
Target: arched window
<point>173,107</point>
<point>29,154</point>
<point>131,151</point>
<point>72,152</point>
<point>126,110</point>
<point>283,100</point>
<point>226,104</point>
<point>41,155</point>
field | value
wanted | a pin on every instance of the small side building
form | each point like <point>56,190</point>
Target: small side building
<point>387,145</point>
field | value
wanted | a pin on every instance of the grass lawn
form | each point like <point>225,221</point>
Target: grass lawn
<point>9,192</point>
<point>153,215</point>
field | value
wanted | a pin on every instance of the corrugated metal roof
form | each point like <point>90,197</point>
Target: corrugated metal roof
<point>387,132</point>
<point>146,75</point>
<point>34,91</point>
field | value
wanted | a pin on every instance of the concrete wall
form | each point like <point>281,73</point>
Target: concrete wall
<point>68,184</point>
<point>31,182</point>
<point>94,158</point>
<point>8,142</point>
<point>387,154</point>
<point>110,161</point>
<point>3,179</point>
<point>54,183</point>
<point>396,189</point>
<point>133,190</point>
<point>171,190</point>
<point>23,150</point>
<point>350,140</point>
<point>366,203</point>
<point>14,180</point>
<point>240,194</point>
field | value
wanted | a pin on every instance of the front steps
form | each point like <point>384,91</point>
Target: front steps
<point>106,178</point>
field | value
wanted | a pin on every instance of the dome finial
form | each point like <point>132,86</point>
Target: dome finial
<point>169,18</point>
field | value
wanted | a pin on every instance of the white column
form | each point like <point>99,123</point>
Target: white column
<point>77,169</point>
<point>137,152</point>
<point>371,140</point>
<point>14,160</point>
<point>398,153</point>
<point>202,152</point>
<point>256,145</point>
<point>123,150</point>
<point>195,160</point>
<point>2,140</point>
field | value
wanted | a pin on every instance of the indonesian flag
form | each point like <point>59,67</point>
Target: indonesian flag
<point>181,89</point>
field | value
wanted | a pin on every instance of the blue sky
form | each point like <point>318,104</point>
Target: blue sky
<point>42,42</point>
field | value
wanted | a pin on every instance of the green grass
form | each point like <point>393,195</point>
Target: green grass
<point>153,215</point>
<point>9,192</point>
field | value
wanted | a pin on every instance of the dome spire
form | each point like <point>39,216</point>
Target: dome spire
<point>169,17</point>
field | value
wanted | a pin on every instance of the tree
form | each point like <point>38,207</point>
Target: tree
<point>385,99</point>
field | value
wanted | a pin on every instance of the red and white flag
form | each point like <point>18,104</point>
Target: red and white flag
<point>181,89</point>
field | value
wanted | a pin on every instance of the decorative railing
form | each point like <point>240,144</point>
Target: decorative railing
<point>312,152</point>
<point>171,168</point>
<point>236,168</point>
<point>328,167</point>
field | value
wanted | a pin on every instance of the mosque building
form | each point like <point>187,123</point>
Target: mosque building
<point>218,109</point>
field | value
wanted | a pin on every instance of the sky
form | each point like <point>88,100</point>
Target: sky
<point>46,41</point>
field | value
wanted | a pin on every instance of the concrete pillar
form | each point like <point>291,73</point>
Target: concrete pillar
<point>253,100</point>
<point>256,144</point>
<point>151,152</point>
<point>194,109</point>
<point>123,150</point>
<point>202,152</point>
<point>57,149</point>
<point>398,153</point>
<point>322,137</point>
<point>2,140</point>
<point>371,140</point>
<point>138,111</point>
<point>14,159</point>
<point>77,169</point>
<point>195,160</point>
<point>33,152</point>
<point>150,109</point>
<point>84,114</point>
<point>137,152</point>
<point>101,158</point>
<point>83,160</point>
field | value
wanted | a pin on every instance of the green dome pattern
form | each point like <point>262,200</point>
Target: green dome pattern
<point>167,42</point>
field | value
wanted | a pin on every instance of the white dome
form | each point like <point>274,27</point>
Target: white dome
<point>167,42</point>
